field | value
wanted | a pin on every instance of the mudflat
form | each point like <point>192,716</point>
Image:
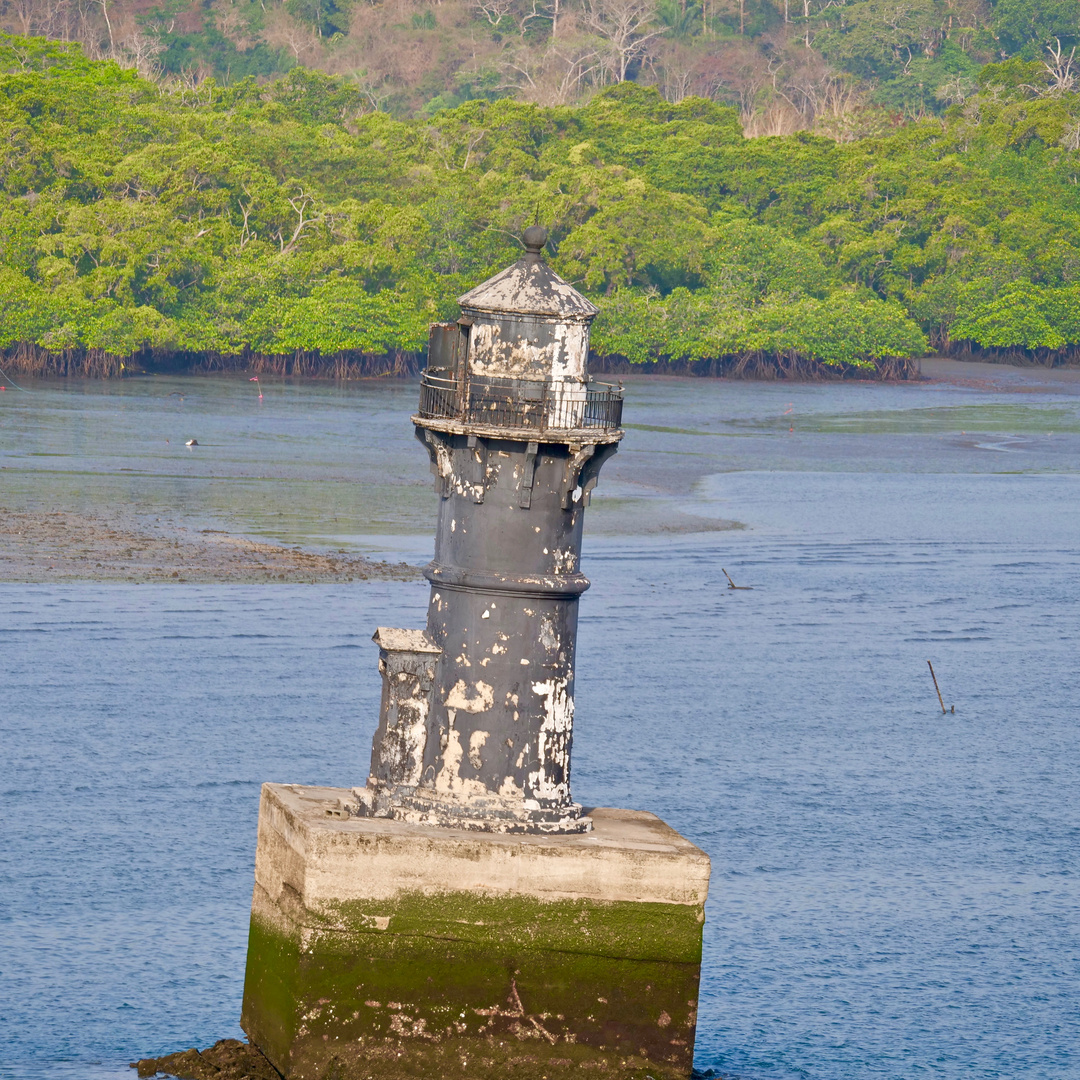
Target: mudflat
<point>41,546</point>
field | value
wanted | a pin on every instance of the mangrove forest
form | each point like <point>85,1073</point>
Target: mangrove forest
<point>293,226</point>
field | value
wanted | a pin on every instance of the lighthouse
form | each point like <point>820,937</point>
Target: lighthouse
<point>460,915</point>
<point>477,711</point>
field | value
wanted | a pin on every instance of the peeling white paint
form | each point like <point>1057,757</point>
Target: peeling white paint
<point>476,744</point>
<point>402,737</point>
<point>452,754</point>
<point>529,289</point>
<point>479,700</point>
<point>565,560</point>
<point>553,743</point>
<point>449,780</point>
<point>548,636</point>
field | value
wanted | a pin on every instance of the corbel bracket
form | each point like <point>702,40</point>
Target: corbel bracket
<point>442,461</point>
<point>579,455</point>
<point>479,448</point>
<point>590,471</point>
<point>528,475</point>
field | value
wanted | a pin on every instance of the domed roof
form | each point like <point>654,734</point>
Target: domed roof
<point>530,287</point>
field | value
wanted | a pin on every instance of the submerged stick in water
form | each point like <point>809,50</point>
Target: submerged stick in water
<point>936,687</point>
<point>731,584</point>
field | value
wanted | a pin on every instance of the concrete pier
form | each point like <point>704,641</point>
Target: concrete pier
<point>385,949</point>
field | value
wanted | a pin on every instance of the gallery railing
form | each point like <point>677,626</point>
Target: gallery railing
<point>537,405</point>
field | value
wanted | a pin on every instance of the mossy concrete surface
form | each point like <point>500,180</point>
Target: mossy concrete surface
<point>446,970</point>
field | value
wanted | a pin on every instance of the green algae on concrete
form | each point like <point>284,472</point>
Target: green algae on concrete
<point>630,929</point>
<point>442,1006</point>
<point>352,976</point>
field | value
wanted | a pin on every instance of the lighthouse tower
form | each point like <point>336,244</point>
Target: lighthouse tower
<point>460,916</point>
<point>477,712</point>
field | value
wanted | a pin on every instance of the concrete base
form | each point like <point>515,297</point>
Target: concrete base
<point>384,949</point>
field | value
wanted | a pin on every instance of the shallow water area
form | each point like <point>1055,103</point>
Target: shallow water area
<point>895,891</point>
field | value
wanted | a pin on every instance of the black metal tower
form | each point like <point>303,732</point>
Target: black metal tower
<point>477,714</point>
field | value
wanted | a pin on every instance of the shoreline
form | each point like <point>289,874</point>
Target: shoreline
<point>982,366</point>
<point>26,360</point>
<point>66,546</point>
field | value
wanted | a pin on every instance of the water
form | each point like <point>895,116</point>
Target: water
<point>895,892</point>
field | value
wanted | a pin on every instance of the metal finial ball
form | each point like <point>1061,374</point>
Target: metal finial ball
<point>535,238</point>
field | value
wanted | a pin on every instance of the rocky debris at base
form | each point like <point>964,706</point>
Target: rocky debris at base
<point>53,546</point>
<point>229,1059</point>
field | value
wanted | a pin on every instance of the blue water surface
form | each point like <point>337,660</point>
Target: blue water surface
<point>895,891</point>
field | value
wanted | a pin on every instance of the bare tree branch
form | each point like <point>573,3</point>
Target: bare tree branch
<point>627,26</point>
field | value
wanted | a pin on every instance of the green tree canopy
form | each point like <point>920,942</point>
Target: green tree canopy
<point>285,218</point>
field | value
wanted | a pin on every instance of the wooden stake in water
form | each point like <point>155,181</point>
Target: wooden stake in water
<point>936,687</point>
<point>731,584</point>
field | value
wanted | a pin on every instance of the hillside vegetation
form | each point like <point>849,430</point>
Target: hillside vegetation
<point>840,67</point>
<point>228,224</point>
